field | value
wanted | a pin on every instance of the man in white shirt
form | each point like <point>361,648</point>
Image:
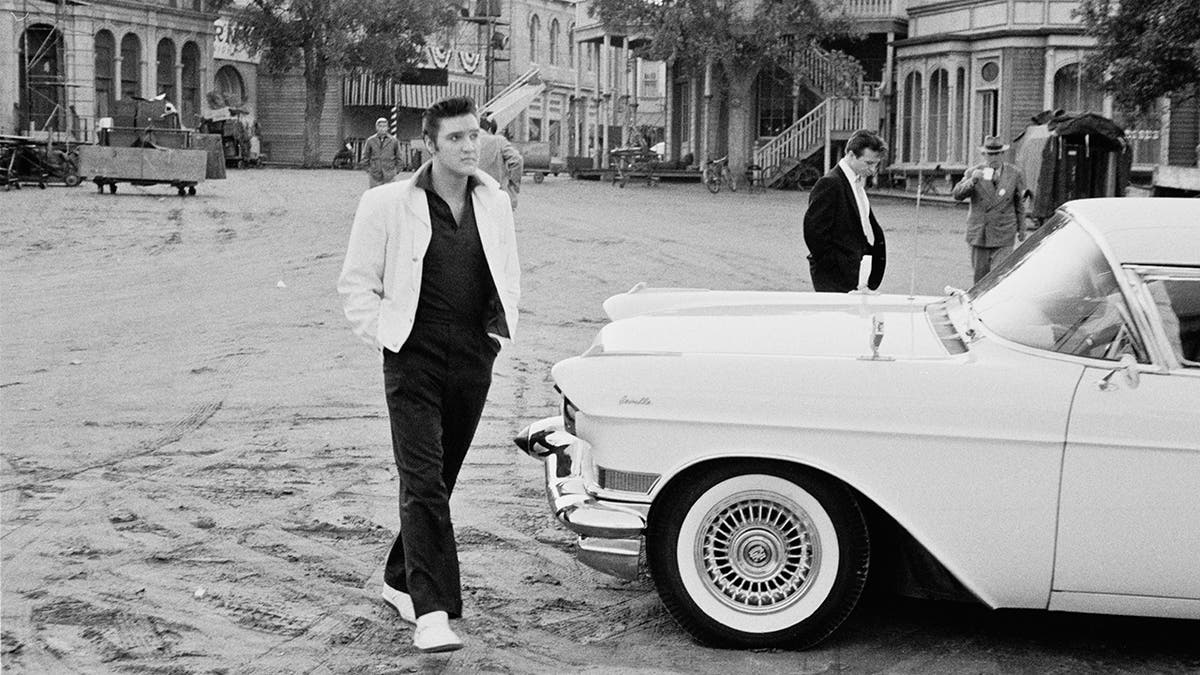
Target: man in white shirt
<point>845,242</point>
<point>431,280</point>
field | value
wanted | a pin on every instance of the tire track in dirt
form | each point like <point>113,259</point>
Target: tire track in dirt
<point>263,609</point>
<point>197,418</point>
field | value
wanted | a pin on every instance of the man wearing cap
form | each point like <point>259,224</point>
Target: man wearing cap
<point>381,155</point>
<point>996,190</point>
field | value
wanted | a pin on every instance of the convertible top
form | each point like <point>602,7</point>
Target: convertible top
<point>1146,231</point>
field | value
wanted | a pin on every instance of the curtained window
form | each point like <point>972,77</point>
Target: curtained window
<point>910,119</point>
<point>131,66</point>
<point>1075,91</point>
<point>165,70</point>
<point>189,104</point>
<point>939,116</point>
<point>105,53</point>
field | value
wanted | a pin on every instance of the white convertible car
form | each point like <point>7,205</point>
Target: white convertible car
<point>1033,442</point>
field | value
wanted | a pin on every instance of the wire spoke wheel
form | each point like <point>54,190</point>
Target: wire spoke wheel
<point>758,553</point>
<point>754,556</point>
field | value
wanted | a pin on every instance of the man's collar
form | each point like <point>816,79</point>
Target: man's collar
<point>851,175</point>
<point>424,179</point>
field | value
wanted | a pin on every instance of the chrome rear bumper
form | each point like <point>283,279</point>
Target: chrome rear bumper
<point>610,536</point>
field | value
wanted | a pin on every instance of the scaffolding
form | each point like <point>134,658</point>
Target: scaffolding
<point>50,49</point>
<point>488,17</point>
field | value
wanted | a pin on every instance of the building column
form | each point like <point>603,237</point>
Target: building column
<point>668,95</point>
<point>889,62</point>
<point>901,99</point>
<point>952,110</point>
<point>923,123</point>
<point>578,111</point>
<point>116,75</point>
<point>605,96</point>
<point>705,113</point>
<point>1048,78</point>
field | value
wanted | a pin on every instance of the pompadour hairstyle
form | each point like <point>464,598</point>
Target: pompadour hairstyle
<point>865,140</point>
<point>431,120</point>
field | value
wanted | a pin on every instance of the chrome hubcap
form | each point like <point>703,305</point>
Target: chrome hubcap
<point>757,552</point>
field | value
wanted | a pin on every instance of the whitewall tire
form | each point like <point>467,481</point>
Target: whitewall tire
<point>758,555</point>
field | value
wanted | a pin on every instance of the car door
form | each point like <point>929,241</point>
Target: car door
<point>1129,515</point>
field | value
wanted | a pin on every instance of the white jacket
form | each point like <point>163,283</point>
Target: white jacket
<point>381,277</point>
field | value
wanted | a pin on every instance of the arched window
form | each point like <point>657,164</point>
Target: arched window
<point>910,120</point>
<point>553,42</point>
<point>43,94</point>
<point>571,45</point>
<point>939,116</point>
<point>165,70</point>
<point>189,104</point>
<point>230,86</point>
<point>105,51</point>
<point>535,27</point>
<point>131,66</point>
<point>1075,90</point>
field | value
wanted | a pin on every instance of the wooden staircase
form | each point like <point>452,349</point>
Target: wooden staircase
<point>834,118</point>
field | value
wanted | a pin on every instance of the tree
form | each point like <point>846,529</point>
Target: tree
<point>740,37</point>
<point>382,37</point>
<point>1145,49</point>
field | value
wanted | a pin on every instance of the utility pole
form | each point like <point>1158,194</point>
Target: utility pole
<point>489,14</point>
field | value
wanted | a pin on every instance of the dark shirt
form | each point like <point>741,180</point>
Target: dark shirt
<point>456,286</point>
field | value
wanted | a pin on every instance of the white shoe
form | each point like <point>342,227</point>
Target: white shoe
<point>401,601</point>
<point>433,634</point>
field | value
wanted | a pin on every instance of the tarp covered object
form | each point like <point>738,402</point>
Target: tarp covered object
<point>1069,156</point>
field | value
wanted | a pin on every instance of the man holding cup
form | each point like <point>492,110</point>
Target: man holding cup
<point>997,193</point>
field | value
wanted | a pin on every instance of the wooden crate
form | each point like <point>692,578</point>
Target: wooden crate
<point>160,165</point>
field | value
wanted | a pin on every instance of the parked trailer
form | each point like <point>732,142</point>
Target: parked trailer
<point>536,155</point>
<point>105,165</point>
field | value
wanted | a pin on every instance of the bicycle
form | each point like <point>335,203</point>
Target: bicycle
<point>717,173</point>
<point>791,175</point>
<point>758,178</point>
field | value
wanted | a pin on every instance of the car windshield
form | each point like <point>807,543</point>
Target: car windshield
<point>1058,293</point>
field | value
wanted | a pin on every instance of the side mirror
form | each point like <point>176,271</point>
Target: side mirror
<point>1128,367</point>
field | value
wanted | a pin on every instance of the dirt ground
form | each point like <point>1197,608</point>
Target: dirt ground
<point>197,475</point>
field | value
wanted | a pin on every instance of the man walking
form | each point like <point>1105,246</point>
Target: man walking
<point>431,278</point>
<point>997,193</point>
<point>500,159</point>
<point>381,155</point>
<point>846,249</point>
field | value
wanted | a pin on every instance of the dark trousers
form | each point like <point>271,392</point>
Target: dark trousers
<point>436,386</point>
<point>835,272</point>
<point>984,258</point>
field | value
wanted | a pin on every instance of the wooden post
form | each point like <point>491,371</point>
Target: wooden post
<point>828,135</point>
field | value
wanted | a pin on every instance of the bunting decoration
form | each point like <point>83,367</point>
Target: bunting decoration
<point>440,58</point>
<point>469,61</point>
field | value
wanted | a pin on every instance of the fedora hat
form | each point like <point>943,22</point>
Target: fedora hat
<point>992,146</point>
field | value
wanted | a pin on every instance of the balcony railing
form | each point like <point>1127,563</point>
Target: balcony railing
<point>1144,145</point>
<point>875,8</point>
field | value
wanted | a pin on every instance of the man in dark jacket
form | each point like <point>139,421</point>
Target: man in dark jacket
<point>846,249</point>
<point>381,155</point>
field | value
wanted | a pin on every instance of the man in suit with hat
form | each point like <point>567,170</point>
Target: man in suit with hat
<point>996,189</point>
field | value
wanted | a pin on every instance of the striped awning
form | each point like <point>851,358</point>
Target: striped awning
<point>366,90</point>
